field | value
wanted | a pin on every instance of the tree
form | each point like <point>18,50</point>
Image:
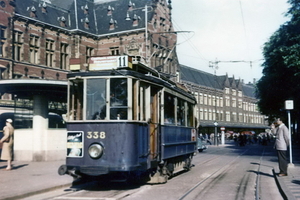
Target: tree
<point>281,73</point>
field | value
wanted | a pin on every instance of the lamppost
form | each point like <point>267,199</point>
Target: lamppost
<point>216,134</point>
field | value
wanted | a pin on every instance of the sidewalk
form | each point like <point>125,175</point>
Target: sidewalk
<point>290,185</point>
<point>28,178</point>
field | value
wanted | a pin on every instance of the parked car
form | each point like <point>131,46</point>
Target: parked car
<point>201,144</point>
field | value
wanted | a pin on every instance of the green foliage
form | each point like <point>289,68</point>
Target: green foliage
<point>281,73</point>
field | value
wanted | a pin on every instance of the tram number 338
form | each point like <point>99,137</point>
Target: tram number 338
<point>96,135</point>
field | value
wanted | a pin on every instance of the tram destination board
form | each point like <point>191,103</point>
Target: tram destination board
<point>109,62</point>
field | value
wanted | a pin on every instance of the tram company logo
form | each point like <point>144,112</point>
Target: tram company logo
<point>74,144</point>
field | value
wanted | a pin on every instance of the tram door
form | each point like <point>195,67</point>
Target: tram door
<point>147,105</point>
<point>154,113</point>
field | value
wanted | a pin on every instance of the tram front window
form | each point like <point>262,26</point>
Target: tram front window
<point>95,97</point>
<point>118,98</point>
<point>75,100</point>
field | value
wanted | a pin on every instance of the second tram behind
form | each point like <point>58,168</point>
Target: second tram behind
<point>127,121</point>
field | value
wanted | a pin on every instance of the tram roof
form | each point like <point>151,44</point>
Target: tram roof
<point>25,88</point>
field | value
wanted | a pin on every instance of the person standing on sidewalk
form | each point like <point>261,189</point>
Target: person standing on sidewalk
<point>7,140</point>
<point>281,144</point>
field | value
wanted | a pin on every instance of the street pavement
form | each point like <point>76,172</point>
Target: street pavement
<point>30,178</point>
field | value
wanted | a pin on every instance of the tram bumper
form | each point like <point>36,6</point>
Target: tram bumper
<point>77,171</point>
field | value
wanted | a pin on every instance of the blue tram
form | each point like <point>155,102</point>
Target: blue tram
<point>127,121</point>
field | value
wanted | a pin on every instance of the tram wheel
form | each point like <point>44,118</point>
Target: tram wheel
<point>170,169</point>
<point>188,164</point>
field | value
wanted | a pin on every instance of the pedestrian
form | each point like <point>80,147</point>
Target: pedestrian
<point>7,143</point>
<point>281,144</point>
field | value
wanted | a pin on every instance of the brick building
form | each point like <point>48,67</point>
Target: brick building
<point>39,37</point>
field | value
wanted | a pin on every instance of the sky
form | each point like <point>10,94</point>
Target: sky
<point>226,31</point>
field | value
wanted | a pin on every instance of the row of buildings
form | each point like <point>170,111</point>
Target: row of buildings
<point>223,99</point>
<point>41,39</point>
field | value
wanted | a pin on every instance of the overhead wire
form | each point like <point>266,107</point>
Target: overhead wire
<point>188,39</point>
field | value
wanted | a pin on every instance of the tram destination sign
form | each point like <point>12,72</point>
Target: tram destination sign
<point>109,62</point>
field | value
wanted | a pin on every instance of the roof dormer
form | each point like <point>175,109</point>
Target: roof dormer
<point>112,24</point>
<point>85,9</point>
<point>110,10</point>
<point>130,5</point>
<point>43,6</point>
<point>32,11</point>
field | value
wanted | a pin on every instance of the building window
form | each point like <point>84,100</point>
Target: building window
<point>114,51</point>
<point>49,53</point>
<point>63,55</point>
<point>89,52</point>
<point>234,92</point>
<point>221,101</point>
<point>2,39</point>
<point>233,102</point>
<point>240,103</point>
<point>221,116</point>
<point>205,99</point>
<point>218,102</point>
<point>226,90</point>
<point>210,115</point>
<point>34,49</point>
<point>240,93</point>
<point>227,101</point>
<point>241,117</point>
<point>201,99</point>
<point>18,43</point>
<point>205,115</point>
<point>209,100</point>
<point>228,116</point>
<point>234,117</point>
<point>201,114</point>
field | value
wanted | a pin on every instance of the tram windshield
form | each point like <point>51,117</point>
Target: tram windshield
<point>98,99</point>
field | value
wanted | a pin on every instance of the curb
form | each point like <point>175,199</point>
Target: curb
<point>284,191</point>
<point>37,192</point>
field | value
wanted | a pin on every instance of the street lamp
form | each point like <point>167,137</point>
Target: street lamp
<point>216,136</point>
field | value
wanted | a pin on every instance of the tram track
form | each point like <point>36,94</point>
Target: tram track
<point>212,172</point>
<point>223,173</point>
<point>224,167</point>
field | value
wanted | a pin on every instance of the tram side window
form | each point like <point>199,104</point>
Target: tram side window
<point>190,115</point>
<point>169,109</point>
<point>180,112</point>
<point>76,100</point>
<point>118,98</point>
<point>95,99</point>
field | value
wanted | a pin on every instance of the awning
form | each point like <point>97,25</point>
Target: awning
<point>25,88</point>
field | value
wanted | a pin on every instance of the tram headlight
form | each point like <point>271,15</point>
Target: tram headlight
<point>95,151</point>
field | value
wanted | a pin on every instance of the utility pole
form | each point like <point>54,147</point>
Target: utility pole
<point>214,65</point>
